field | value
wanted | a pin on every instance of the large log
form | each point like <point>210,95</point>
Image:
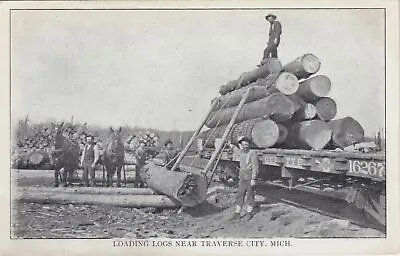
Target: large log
<point>262,133</point>
<point>303,66</point>
<point>284,82</point>
<point>275,106</point>
<point>312,134</point>
<point>130,201</point>
<point>272,65</point>
<point>346,131</point>
<point>312,89</point>
<point>92,190</point>
<point>326,109</point>
<point>187,188</point>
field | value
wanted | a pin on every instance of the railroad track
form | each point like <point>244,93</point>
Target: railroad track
<point>329,206</point>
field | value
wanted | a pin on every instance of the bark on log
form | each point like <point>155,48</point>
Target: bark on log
<point>130,201</point>
<point>313,134</point>
<point>312,89</point>
<point>273,65</point>
<point>262,133</point>
<point>187,188</point>
<point>284,82</point>
<point>92,190</point>
<point>346,131</point>
<point>275,106</point>
<point>326,109</point>
<point>306,111</point>
<point>303,66</point>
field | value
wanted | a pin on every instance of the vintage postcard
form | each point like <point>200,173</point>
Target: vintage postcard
<point>200,128</point>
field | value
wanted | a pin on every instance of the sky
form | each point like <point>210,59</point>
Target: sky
<point>161,69</point>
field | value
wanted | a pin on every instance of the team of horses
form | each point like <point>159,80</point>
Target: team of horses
<point>66,154</point>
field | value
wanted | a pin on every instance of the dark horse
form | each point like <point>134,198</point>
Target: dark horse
<point>114,156</point>
<point>65,156</point>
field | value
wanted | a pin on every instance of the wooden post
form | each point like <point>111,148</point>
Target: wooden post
<point>227,131</point>
<point>192,139</point>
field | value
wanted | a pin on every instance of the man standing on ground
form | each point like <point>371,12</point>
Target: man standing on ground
<point>275,31</point>
<point>247,178</point>
<point>169,155</point>
<point>89,159</point>
<point>140,156</point>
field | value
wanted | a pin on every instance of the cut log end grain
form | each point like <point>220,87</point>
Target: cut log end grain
<point>286,83</point>
<point>303,66</point>
<point>309,111</point>
<point>311,63</point>
<point>312,134</point>
<point>346,131</point>
<point>326,109</point>
<point>265,133</point>
<point>35,158</point>
<point>314,88</point>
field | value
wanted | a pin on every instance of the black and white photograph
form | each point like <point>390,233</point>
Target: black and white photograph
<point>198,123</point>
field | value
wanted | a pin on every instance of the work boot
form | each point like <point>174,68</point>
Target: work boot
<point>248,216</point>
<point>235,216</point>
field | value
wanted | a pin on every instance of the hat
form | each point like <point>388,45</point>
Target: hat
<point>167,142</point>
<point>242,138</point>
<point>270,15</point>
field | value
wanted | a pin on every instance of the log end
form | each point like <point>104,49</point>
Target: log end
<point>346,131</point>
<point>311,63</point>
<point>265,133</point>
<point>309,111</point>
<point>320,85</point>
<point>326,109</point>
<point>317,135</point>
<point>287,83</point>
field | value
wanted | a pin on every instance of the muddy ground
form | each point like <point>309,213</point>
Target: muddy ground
<point>209,220</point>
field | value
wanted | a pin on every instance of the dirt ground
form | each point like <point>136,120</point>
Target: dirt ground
<point>209,220</point>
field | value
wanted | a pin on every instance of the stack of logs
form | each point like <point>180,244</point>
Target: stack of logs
<point>288,107</point>
<point>151,141</point>
<point>34,150</point>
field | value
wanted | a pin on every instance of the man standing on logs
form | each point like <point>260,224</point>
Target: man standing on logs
<point>247,178</point>
<point>89,159</point>
<point>275,31</point>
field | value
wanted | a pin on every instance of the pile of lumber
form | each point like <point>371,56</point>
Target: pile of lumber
<point>287,107</point>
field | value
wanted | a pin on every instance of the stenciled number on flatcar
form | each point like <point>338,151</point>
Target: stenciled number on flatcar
<point>367,168</point>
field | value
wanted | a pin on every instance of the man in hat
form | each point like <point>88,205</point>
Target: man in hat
<point>169,154</point>
<point>275,31</point>
<point>140,155</point>
<point>89,159</point>
<point>247,177</point>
